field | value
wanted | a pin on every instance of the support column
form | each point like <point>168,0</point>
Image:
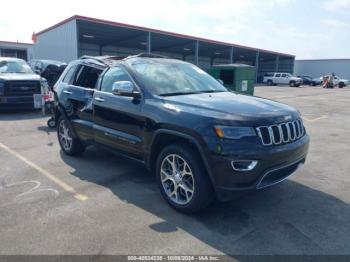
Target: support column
<point>277,63</point>
<point>257,56</point>
<point>149,42</point>
<point>196,53</point>
<point>231,55</point>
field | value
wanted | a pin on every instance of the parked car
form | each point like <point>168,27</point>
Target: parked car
<point>51,70</point>
<point>199,139</point>
<point>282,79</point>
<point>308,80</point>
<point>18,84</point>
<point>337,81</point>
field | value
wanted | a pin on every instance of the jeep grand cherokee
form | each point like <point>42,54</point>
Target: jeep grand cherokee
<point>200,139</point>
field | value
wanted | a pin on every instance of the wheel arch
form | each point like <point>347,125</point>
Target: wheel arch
<point>60,112</point>
<point>165,137</point>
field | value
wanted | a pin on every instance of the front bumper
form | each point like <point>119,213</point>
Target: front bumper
<point>275,163</point>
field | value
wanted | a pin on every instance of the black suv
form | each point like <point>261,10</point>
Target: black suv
<point>200,139</point>
<point>18,84</point>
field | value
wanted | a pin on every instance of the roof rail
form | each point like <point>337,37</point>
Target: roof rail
<point>103,59</point>
<point>149,55</point>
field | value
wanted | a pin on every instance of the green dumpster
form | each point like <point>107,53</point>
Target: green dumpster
<point>236,77</point>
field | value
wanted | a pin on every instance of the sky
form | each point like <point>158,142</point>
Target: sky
<point>309,29</point>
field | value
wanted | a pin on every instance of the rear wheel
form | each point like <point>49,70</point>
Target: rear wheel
<point>70,144</point>
<point>269,82</point>
<point>183,180</point>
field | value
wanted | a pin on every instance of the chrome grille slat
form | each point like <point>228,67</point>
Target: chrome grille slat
<point>297,128</point>
<point>281,133</point>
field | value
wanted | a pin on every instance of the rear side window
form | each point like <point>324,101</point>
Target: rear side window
<point>227,76</point>
<point>113,75</point>
<point>69,75</point>
<point>278,75</point>
<point>87,76</point>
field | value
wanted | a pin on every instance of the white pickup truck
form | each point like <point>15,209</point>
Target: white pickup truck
<point>282,79</point>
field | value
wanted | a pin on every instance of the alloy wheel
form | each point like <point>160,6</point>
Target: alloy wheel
<point>65,136</point>
<point>177,179</point>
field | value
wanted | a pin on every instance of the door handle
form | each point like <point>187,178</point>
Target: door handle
<point>67,92</point>
<point>99,99</point>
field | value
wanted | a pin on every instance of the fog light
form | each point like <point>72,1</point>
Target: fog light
<point>244,165</point>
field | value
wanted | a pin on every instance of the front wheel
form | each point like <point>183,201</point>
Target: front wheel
<point>70,144</point>
<point>292,83</point>
<point>341,85</point>
<point>183,180</point>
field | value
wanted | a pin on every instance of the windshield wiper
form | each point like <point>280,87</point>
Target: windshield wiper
<point>178,93</point>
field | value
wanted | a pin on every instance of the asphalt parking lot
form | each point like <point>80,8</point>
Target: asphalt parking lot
<point>102,204</point>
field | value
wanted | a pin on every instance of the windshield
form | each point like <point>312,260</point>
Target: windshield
<point>167,79</point>
<point>15,67</point>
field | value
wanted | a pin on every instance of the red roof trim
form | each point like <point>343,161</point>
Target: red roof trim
<point>10,42</point>
<point>101,21</point>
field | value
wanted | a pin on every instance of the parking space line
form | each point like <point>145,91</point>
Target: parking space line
<point>45,173</point>
<point>314,119</point>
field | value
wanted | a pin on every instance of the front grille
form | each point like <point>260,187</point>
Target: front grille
<point>281,133</point>
<point>22,88</point>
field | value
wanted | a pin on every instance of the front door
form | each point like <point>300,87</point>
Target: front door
<point>117,119</point>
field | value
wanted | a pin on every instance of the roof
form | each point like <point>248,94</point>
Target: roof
<point>14,43</point>
<point>117,24</point>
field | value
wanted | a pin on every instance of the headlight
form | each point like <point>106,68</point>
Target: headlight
<point>231,132</point>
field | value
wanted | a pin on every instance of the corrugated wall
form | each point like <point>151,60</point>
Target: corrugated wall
<point>60,43</point>
<point>316,68</point>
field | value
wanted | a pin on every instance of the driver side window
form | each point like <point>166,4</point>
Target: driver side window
<point>114,74</point>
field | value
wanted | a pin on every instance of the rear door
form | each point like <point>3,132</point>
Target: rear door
<point>79,91</point>
<point>117,120</point>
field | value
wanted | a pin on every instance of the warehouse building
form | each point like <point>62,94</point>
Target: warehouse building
<point>16,49</point>
<point>79,35</point>
<point>320,67</point>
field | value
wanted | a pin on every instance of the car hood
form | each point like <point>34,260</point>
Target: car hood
<point>18,76</point>
<point>233,106</point>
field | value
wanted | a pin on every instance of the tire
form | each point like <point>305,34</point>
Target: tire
<point>298,85</point>
<point>292,83</point>
<point>51,123</point>
<point>341,85</point>
<point>70,144</point>
<point>269,82</point>
<point>199,192</point>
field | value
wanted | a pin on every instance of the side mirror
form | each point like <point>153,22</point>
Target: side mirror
<point>125,88</point>
<point>220,81</point>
